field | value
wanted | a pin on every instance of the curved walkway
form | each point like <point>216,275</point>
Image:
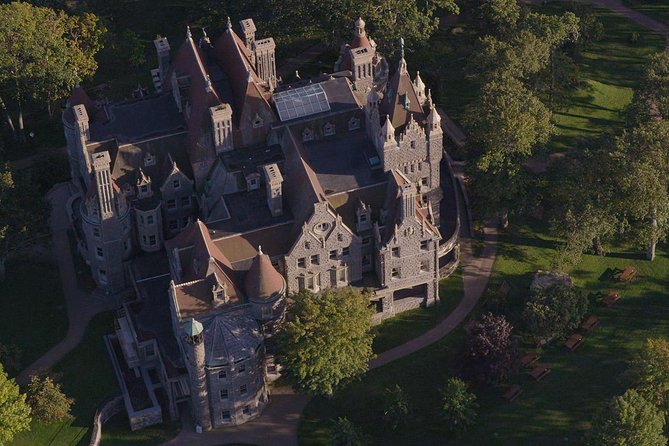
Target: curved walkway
<point>81,306</point>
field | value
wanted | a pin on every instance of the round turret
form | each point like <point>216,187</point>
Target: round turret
<point>265,288</point>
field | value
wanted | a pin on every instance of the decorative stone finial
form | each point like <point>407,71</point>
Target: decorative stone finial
<point>259,249</point>
<point>229,23</point>
<point>188,33</point>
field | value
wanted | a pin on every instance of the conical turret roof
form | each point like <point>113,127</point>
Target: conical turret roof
<point>262,280</point>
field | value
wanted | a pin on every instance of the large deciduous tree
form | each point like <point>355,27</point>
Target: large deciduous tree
<point>554,311</point>
<point>490,352</point>
<point>14,412</point>
<point>651,99</point>
<point>326,339</point>
<point>644,151</point>
<point>396,407</point>
<point>649,371</point>
<point>44,53</point>
<point>628,420</point>
<point>47,400</point>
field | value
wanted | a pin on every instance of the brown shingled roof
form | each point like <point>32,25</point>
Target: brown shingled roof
<point>399,89</point>
<point>262,281</point>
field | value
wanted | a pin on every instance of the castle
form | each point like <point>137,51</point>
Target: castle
<point>226,190</point>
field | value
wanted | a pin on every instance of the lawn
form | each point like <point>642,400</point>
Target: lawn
<point>412,323</point>
<point>657,9</point>
<point>609,71</point>
<point>33,313</point>
<point>555,411</point>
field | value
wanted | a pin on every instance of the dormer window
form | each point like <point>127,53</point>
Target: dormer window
<point>353,123</point>
<point>149,160</point>
<point>257,121</point>
<point>329,129</point>
<point>219,293</point>
<point>127,188</point>
<point>307,135</point>
<point>176,184</point>
<point>143,189</point>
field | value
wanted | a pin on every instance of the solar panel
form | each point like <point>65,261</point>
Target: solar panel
<point>299,102</point>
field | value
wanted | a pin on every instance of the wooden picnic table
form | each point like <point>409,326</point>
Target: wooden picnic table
<point>512,393</point>
<point>627,274</point>
<point>529,359</point>
<point>590,323</point>
<point>611,298</point>
<point>540,372</point>
<point>574,341</point>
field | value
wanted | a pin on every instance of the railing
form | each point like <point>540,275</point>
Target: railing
<point>108,409</point>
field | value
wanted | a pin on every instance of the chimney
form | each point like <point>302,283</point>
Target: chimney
<point>408,201</point>
<point>273,185</point>
<point>221,123</point>
<point>249,31</point>
<point>163,52</point>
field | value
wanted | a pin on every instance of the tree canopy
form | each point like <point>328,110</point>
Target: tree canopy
<point>554,311</point>
<point>649,371</point>
<point>459,406</point>
<point>344,433</point>
<point>326,339</point>
<point>628,420</point>
<point>490,352</point>
<point>47,400</point>
<point>396,407</point>
<point>14,412</point>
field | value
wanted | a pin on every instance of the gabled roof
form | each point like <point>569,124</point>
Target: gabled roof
<point>400,93</point>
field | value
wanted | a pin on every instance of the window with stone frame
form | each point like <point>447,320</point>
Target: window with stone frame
<point>171,203</point>
<point>176,183</point>
<point>328,129</point>
<point>223,394</point>
<point>334,254</point>
<point>395,273</point>
<point>149,219</point>
<point>342,274</point>
<point>243,389</point>
<point>99,252</point>
<point>152,240</point>
<point>222,374</point>
<point>362,217</point>
<point>247,410</point>
<point>425,245</point>
<point>315,259</point>
<point>241,369</point>
<point>185,201</point>
<point>149,160</point>
<point>424,181</point>
<point>143,189</point>
<point>307,134</point>
<point>302,262</point>
<point>413,144</point>
<point>149,350</point>
<point>396,251</point>
<point>96,232</point>
<point>424,266</point>
<point>225,415</point>
<point>345,251</point>
<point>353,123</point>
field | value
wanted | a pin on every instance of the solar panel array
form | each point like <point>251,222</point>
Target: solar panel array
<point>299,102</point>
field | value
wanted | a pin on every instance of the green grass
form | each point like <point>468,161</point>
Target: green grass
<point>610,69</point>
<point>117,433</point>
<point>555,411</point>
<point>33,309</point>
<point>409,324</point>
<point>657,9</point>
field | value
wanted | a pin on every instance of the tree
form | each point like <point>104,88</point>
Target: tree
<point>23,212</point>
<point>649,371</point>
<point>490,352</point>
<point>628,420</point>
<point>499,16</point>
<point>651,99</point>
<point>326,339</point>
<point>14,412</point>
<point>554,311</point>
<point>459,405</point>
<point>344,433</point>
<point>44,53</point>
<point>645,184</point>
<point>47,400</point>
<point>396,407</point>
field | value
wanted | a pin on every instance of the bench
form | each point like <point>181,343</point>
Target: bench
<point>611,298</point>
<point>627,274</point>
<point>529,359</point>
<point>574,341</point>
<point>539,372</point>
<point>590,323</point>
<point>513,393</point>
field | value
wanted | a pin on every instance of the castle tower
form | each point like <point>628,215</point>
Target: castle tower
<point>221,124</point>
<point>194,346</point>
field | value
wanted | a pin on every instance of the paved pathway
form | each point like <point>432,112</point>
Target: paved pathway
<point>81,306</point>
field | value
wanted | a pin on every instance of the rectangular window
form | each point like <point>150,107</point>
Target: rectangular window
<point>300,283</point>
<point>366,241</point>
<point>152,240</point>
<point>149,220</point>
<point>99,253</point>
<point>423,181</point>
<point>424,266</point>
<point>413,144</point>
<point>247,410</point>
<point>176,184</point>
<point>143,189</point>
<point>395,273</point>
<point>225,415</point>
<point>224,394</point>
<point>149,351</point>
<point>425,245</point>
<point>243,389</point>
<point>302,262</point>
<point>185,201</point>
<point>363,218</point>
<point>396,252</point>
<point>174,225</point>
<point>333,254</point>
<point>345,251</point>
<point>342,275</point>
<point>171,204</point>
<point>241,369</point>
<point>315,259</point>
<point>141,219</point>
<point>96,232</point>
<point>222,374</point>
<point>185,221</point>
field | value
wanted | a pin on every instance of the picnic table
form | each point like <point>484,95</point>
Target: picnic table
<point>574,341</point>
<point>627,274</point>
<point>590,323</point>
<point>512,393</point>
<point>529,359</point>
<point>540,372</point>
<point>611,298</point>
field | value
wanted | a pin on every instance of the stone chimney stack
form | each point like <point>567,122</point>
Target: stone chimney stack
<point>194,346</point>
<point>101,166</point>
<point>163,52</point>
<point>273,185</point>
<point>83,134</point>
<point>408,201</point>
<point>249,31</point>
<point>221,123</point>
